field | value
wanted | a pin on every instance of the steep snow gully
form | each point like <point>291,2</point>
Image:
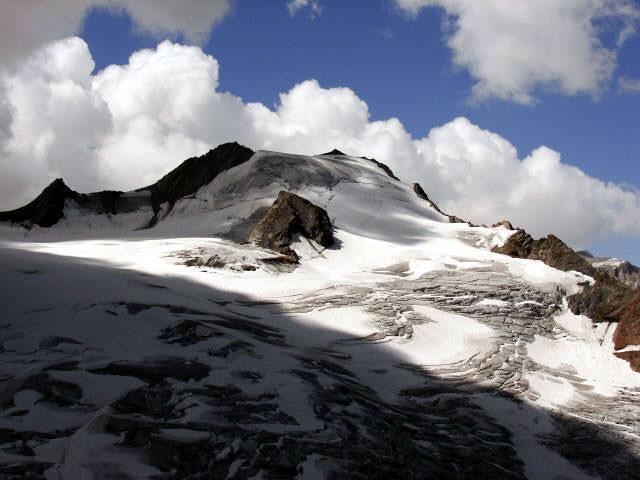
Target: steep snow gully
<point>150,334</point>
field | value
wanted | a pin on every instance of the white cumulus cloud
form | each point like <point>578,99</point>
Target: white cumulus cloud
<point>28,24</point>
<point>513,48</point>
<point>129,124</point>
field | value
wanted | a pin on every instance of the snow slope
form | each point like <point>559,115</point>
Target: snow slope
<point>407,348</point>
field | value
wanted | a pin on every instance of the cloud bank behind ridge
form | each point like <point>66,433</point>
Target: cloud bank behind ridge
<point>129,124</point>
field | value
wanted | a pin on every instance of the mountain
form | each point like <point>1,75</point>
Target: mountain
<point>267,315</point>
<point>621,270</point>
<point>58,201</point>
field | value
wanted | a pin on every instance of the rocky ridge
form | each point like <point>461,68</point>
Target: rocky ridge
<point>47,209</point>
<point>605,300</point>
<point>622,270</point>
<point>196,172</point>
<point>419,191</point>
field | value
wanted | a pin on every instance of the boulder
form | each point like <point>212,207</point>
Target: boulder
<point>289,215</point>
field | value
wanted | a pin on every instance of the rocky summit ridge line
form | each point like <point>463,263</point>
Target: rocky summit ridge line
<point>269,315</point>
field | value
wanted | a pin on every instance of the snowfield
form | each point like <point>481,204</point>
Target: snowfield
<point>408,348</point>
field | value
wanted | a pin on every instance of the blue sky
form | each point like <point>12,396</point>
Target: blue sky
<point>394,56</point>
<point>402,68</point>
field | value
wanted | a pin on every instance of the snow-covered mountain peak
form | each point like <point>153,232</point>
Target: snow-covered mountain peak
<point>268,315</point>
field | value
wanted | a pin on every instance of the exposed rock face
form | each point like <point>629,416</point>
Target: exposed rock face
<point>628,331</point>
<point>456,219</point>
<point>196,172</point>
<point>48,208</point>
<point>381,165</point>
<point>632,357</point>
<point>384,167</point>
<point>602,301</point>
<point>45,210</point>
<point>621,270</point>
<point>504,223</point>
<point>110,202</point>
<point>624,272</point>
<point>335,151</point>
<point>420,193</point>
<point>606,300</point>
<point>551,250</point>
<point>291,214</point>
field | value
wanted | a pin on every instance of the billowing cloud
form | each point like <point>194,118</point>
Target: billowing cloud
<point>129,124</point>
<point>512,48</point>
<point>479,173</point>
<point>28,24</point>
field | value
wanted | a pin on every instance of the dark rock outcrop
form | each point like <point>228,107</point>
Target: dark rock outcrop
<point>196,172</point>
<point>45,210</point>
<point>48,207</point>
<point>382,166</point>
<point>606,300</point>
<point>503,223</point>
<point>602,301</point>
<point>456,219</point>
<point>632,357</point>
<point>628,331</point>
<point>111,202</point>
<point>335,151</point>
<point>290,215</point>
<point>623,271</point>
<point>420,193</point>
<point>551,250</point>
<point>626,272</point>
